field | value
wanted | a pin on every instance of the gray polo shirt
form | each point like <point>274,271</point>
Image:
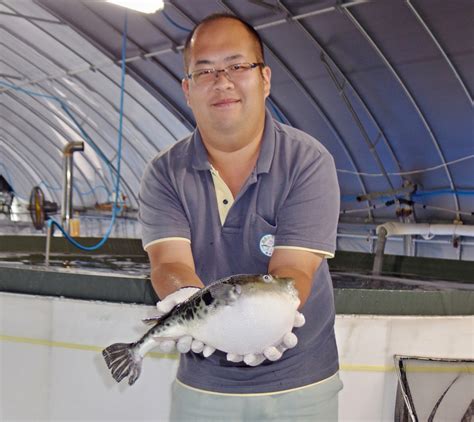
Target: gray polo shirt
<point>291,200</point>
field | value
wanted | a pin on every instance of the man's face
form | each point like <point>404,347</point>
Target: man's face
<point>222,104</point>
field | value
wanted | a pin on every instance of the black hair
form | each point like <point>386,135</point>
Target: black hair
<point>214,17</point>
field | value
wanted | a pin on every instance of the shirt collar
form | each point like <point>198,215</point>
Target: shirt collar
<point>200,160</point>
<point>267,148</point>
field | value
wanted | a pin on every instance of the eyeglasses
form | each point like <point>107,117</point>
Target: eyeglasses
<point>233,72</point>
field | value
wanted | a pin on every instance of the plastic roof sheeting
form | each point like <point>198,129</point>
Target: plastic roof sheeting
<point>36,128</point>
<point>386,86</point>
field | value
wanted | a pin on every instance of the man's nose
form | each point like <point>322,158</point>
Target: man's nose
<point>224,80</point>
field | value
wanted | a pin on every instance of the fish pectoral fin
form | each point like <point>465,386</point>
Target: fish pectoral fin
<point>151,321</point>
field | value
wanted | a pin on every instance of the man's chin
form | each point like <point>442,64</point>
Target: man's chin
<point>227,125</point>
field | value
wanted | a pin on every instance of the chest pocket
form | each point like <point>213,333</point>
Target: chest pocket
<point>261,235</point>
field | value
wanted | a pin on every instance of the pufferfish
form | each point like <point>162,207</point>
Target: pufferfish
<point>241,314</point>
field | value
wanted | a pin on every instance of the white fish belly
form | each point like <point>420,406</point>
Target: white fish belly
<point>249,325</point>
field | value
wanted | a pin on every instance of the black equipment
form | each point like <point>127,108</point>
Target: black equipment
<point>40,208</point>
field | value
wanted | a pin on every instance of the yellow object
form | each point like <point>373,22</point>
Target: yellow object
<point>75,227</point>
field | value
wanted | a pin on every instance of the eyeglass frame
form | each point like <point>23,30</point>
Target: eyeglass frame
<point>216,72</point>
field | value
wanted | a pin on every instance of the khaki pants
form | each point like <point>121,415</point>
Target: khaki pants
<point>310,404</point>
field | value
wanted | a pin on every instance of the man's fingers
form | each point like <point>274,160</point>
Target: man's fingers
<point>272,353</point>
<point>197,346</point>
<point>233,357</point>
<point>208,351</point>
<point>299,320</point>
<point>167,346</point>
<point>254,359</point>
<point>164,306</point>
<point>184,344</point>
<point>187,343</point>
<point>169,302</point>
<point>290,340</point>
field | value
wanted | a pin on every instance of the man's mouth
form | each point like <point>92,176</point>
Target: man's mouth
<point>226,102</point>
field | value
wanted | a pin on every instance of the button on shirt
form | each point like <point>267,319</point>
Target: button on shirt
<point>224,196</point>
<point>290,200</point>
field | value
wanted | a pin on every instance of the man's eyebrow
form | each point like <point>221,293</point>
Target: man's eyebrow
<point>211,63</point>
<point>233,57</point>
<point>199,62</point>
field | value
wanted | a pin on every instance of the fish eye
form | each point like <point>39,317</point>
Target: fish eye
<point>267,278</point>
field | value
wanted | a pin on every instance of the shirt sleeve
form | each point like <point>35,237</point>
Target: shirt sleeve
<point>161,214</point>
<point>308,217</point>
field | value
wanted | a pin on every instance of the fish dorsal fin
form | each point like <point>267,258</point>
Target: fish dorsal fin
<point>152,320</point>
<point>157,318</point>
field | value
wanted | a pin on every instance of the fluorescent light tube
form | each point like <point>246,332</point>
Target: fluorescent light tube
<point>145,6</point>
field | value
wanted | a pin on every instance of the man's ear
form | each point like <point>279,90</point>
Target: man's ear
<point>185,87</point>
<point>267,77</point>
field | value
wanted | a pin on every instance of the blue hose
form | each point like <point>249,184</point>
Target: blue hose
<point>458,192</point>
<point>51,221</point>
<point>182,28</point>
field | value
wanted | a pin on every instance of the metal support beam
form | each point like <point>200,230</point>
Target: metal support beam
<point>313,13</point>
<point>306,92</point>
<point>47,122</point>
<point>130,191</point>
<point>358,122</point>
<point>167,50</point>
<point>31,18</point>
<point>22,168</point>
<point>163,98</point>
<point>346,82</point>
<point>41,167</point>
<point>441,50</point>
<point>410,96</point>
<point>97,92</point>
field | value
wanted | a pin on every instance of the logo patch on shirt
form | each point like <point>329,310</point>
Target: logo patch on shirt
<point>267,242</point>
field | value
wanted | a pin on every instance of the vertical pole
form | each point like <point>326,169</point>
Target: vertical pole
<point>67,191</point>
<point>379,251</point>
<point>66,208</point>
<point>48,243</point>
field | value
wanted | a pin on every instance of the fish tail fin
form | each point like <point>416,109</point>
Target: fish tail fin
<point>123,360</point>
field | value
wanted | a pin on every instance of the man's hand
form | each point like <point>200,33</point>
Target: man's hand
<point>185,343</point>
<point>271,353</point>
<point>169,302</point>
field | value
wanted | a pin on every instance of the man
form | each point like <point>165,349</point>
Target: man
<point>243,194</point>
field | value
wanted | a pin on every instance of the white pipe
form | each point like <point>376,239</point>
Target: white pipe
<point>417,241</point>
<point>428,231</point>
<point>66,208</point>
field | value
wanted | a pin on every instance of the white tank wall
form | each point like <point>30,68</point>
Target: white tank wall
<point>51,367</point>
